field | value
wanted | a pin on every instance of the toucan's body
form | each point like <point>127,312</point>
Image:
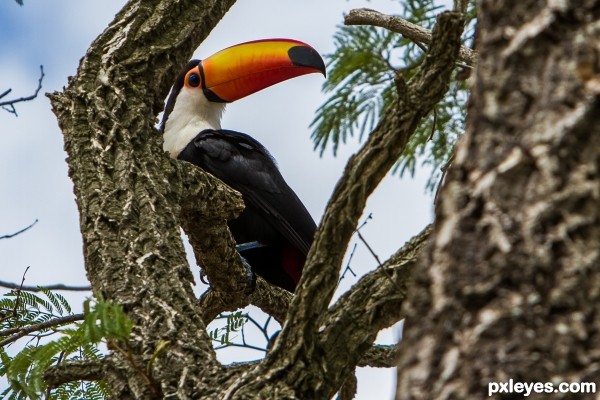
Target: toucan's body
<point>273,216</point>
<point>274,222</point>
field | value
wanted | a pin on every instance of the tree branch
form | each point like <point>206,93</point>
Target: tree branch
<point>374,303</point>
<point>271,299</point>
<point>10,104</point>
<point>381,356</point>
<point>26,330</point>
<point>89,370</point>
<point>349,388</point>
<point>36,288</point>
<point>219,201</point>
<point>365,16</point>
<point>364,171</point>
<point>214,247</point>
<point>206,205</point>
<point>11,235</point>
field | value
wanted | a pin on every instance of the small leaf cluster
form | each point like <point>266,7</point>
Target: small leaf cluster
<point>20,308</point>
<point>234,323</point>
<point>82,390</point>
<point>361,86</point>
<point>103,321</point>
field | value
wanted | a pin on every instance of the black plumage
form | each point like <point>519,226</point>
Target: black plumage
<point>274,215</point>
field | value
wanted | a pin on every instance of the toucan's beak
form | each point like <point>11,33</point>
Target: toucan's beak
<point>246,68</point>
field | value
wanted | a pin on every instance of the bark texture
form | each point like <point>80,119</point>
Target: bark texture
<point>132,200</point>
<point>511,284</point>
<point>126,192</point>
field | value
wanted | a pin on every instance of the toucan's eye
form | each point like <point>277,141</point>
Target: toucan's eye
<point>194,80</point>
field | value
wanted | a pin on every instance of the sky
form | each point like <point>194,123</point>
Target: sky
<point>33,172</point>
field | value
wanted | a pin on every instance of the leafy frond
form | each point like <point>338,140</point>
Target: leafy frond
<point>55,299</point>
<point>359,74</point>
<point>103,321</point>
<point>361,87</point>
<point>81,391</point>
<point>23,308</point>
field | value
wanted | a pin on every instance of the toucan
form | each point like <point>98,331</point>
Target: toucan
<point>275,231</point>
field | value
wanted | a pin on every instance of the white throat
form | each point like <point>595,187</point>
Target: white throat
<point>191,114</point>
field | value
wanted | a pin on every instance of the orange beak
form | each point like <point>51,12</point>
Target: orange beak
<point>246,68</point>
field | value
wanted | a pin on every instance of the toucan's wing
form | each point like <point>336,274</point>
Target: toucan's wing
<point>244,164</point>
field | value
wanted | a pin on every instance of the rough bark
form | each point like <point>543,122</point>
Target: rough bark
<point>75,370</point>
<point>511,284</point>
<point>132,199</point>
<point>132,247</point>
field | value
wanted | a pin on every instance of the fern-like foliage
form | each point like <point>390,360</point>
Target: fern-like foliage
<point>103,321</point>
<point>20,308</point>
<point>82,390</point>
<point>361,87</point>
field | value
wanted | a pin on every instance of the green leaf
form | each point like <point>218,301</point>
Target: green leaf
<point>24,372</point>
<point>361,87</point>
<point>53,299</point>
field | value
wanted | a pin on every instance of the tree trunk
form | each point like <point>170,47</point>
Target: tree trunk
<point>125,190</point>
<point>510,286</point>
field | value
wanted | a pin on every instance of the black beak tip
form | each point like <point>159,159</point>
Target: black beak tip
<point>303,56</point>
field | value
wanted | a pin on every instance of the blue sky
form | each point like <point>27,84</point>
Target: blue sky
<point>33,173</point>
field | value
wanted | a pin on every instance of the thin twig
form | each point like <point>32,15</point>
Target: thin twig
<point>379,263</point>
<point>11,103</point>
<point>362,239</point>
<point>36,288</point>
<point>19,232</point>
<point>444,170</point>
<point>433,124</point>
<point>375,256</point>
<point>245,346</point>
<point>23,331</point>
<point>261,328</point>
<point>19,293</point>
<point>348,268</point>
<point>6,92</point>
<point>267,322</point>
